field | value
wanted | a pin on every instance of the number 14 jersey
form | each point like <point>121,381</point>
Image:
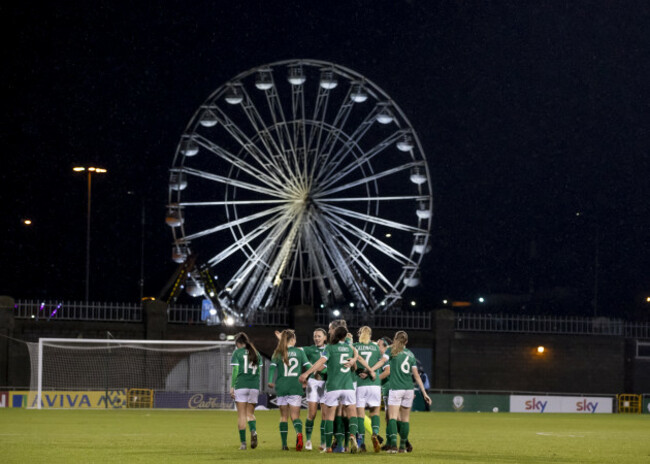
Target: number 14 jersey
<point>249,375</point>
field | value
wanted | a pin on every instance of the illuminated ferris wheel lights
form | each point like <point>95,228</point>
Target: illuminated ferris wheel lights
<point>358,94</point>
<point>263,81</point>
<point>296,75</point>
<point>418,175</point>
<point>328,81</point>
<point>423,211</point>
<point>189,148</point>
<point>405,144</point>
<point>209,119</point>
<point>177,181</point>
<point>234,96</point>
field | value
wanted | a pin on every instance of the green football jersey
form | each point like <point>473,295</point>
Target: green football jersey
<point>249,375</point>
<point>384,381</point>
<point>371,354</point>
<point>339,377</point>
<point>401,369</point>
<point>313,354</point>
<point>287,382</point>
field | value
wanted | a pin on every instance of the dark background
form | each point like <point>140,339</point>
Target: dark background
<point>534,116</point>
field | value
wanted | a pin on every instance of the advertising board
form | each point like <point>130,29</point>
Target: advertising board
<point>563,404</point>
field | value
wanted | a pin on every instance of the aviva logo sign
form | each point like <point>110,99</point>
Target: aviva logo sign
<point>112,399</point>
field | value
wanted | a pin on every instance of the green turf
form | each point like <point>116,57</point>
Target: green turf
<point>162,436</point>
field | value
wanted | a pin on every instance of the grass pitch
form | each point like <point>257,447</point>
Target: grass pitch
<point>166,436</point>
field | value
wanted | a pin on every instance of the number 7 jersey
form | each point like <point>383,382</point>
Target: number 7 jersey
<point>249,375</point>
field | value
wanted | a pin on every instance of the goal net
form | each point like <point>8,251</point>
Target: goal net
<point>97,373</point>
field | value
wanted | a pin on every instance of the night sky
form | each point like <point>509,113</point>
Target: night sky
<point>535,120</point>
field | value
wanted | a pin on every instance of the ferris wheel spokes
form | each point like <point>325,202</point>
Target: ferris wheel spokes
<point>359,199</point>
<point>372,241</point>
<point>321,266</point>
<point>245,240</point>
<point>265,160</point>
<point>360,293</point>
<point>320,194</point>
<point>368,218</point>
<point>358,162</point>
<point>241,164</point>
<point>332,162</point>
<point>229,181</point>
<point>275,148</point>
<point>236,222</point>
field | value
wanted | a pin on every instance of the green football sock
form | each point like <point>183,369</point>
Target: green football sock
<point>339,430</point>
<point>404,434</point>
<point>375,423</point>
<point>391,432</point>
<point>242,436</point>
<point>252,425</point>
<point>322,432</point>
<point>328,427</point>
<point>309,426</point>
<point>361,429</point>
<point>354,427</point>
<point>297,425</point>
<point>284,430</point>
<point>346,428</point>
<point>400,424</point>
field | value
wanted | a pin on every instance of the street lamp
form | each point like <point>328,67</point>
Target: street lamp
<point>90,170</point>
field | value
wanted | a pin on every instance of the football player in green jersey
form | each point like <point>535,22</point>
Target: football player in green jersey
<point>315,387</point>
<point>339,387</point>
<point>288,362</point>
<point>368,390</point>
<point>341,432</point>
<point>383,344</point>
<point>403,369</point>
<point>246,364</point>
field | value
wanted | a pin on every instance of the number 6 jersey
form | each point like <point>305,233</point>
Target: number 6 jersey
<point>400,369</point>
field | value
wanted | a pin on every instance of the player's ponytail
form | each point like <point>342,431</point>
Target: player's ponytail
<point>242,339</point>
<point>399,342</point>
<point>365,333</point>
<point>282,350</point>
<point>339,334</point>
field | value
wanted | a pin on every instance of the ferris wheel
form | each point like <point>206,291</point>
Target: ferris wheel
<point>301,182</point>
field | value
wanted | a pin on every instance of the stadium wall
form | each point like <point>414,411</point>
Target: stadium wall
<point>454,360</point>
<point>569,363</point>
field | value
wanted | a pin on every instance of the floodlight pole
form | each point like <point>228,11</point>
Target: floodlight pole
<point>90,171</point>
<point>88,237</point>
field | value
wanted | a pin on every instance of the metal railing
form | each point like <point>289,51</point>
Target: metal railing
<point>184,315</point>
<point>550,324</point>
<point>77,311</point>
<point>192,315</point>
<point>40,310</point>
<point>407,320</point>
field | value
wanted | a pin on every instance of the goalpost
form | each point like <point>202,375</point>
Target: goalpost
<point>110,373</point>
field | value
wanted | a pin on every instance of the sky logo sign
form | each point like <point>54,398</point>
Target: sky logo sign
<point>536,405</point>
